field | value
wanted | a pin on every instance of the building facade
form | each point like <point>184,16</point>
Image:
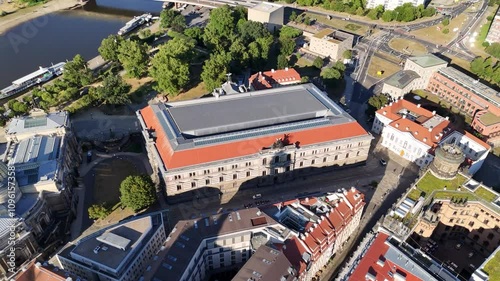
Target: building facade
<point>470,97</point>
<point>414,133</point>
<point>117,253</point>
<point>392,4</point>
<point>270,14</point>
<point>273,79</point>
<point>416,74</point>
<point>249,139</point>
<point>331,43</point>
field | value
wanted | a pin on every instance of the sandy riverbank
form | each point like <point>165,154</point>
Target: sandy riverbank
<point>18,16</point>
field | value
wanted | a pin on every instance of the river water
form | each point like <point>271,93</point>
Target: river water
<point>60,36</point>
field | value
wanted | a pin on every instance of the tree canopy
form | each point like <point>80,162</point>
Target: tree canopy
<point>109,47</point>
<point>137,192</point>
<point>170,66</point>
<point>219,31</point>
<point>290,32</point>
<point>77,73</point>
<point>170,18</point>
<point>486,69</point>
<point>98,211</point>
<point>318,62</point>
<point>215,70</point>
<point>378,101</point>
<point>134,57</point>
<point>113,91</point>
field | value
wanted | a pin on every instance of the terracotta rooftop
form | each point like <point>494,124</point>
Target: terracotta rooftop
<point>243,124</point>
<point>295,252</point>
<point>266,80</point>
<point>39,272</point>
<point>423,125</point>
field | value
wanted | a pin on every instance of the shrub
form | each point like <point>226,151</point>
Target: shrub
<point>446,31</point>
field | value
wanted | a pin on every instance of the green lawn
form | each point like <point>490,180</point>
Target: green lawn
<point>455,195</point>
<point>414,194</point>
<point>429,183</point>
<point>493,267</point>
<point>485,194</point>
<point>426,95</point>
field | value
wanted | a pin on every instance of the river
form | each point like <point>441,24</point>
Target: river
<point>60,36</point>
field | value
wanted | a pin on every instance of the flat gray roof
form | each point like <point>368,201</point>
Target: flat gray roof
<point>266,7</point>
<point>240,112</point>
<point>209,121</point>
<point>402,78</point>
<point>113,257</point>
<point>428,60</point>
<point>34,124</point>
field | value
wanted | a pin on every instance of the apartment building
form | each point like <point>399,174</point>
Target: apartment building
<point>494,31</point>
<point>416,74</point>
<point>470,97</point>
<point>283,241</point>
<point>331,43</point>
<point>414,132</point>
<point>117,253</point>
<point>392,4</point>
<point>249,139</point>
<point>382,257</point>
<point>273,79</point>
<point>36,271</point>
<point>476,221</point>
<point>270,14</point>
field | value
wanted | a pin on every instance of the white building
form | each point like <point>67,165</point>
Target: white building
<point>392,4</point>
<point>117,253</point>
<point>416,74</point>
<point>331,43</point>
<point>270,14</point>
<point>414,132</point>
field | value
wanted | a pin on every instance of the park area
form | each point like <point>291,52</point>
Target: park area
<point>407,46</point>
<point>384,64</point>
<point>437,34</point>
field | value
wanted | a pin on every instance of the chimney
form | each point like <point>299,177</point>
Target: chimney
<point>404,116</point>
<point>416,133</point>
<point>425,139</point>
<point>447,118</point>
<point>433,112</point>
<point>441,134</point>
<point>390,104</point>
<point>286,68</point>
<point>272,70</point>
<point>418,105</point>
<point>38,265</point>
<point>353,188</point>
<point>397,125</point>
<point>407,128</point>
<point>385,112</point>
<point>430,129</point>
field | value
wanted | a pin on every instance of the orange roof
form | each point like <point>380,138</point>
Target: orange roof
<point>392,110</point>
<point>356,202</point>
<point>41,273</point>
<point>205,154</point>
<point>368,263</point>
<point>265,80</point>
<point>336,220</point>
<point>293,251</point>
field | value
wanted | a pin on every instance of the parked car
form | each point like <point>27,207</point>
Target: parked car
<point>89,156</point>
<point>383,162</point>
<point>257,196</point>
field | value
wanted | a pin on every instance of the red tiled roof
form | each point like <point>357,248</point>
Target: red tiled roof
<point>392,110</point>
<point>336,220</point>
<point>369,263</point>
<point>356,202</point>
<point>40,273</point>
<point>293,251</point>
<point>205,154</point>
<point>265,80</point>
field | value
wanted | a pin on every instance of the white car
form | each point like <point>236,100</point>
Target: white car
<point>257,196</point>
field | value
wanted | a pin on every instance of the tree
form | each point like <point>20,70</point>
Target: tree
<point>282,61</point>
<point>77,73</point>
<point>290,32</point>
<point>137,192</point>
<point>240,55</point>
<point>170,66</point>
<point>219,31</point>
<point>134,57</point>
<point>109,47</point>
<point>494,50</point>
<point>388,16</point>
<point>195,33</point>
<point>446,21</point>
<point>179,23</point>
<point>215,70</point>
<point>98,211</point>
<point>331,73</point>
<point>446,31</point>
<point>287,46</point>
<point>318,62</point>
<point>113,91</point>
<point>307,20</point>
<point>167,18</point>
<point>378,101</point>
<point>376,12</point>
<point>251,30</point>
<point>304,79</point>
<point>293,17</point>
<point>347,54</point>
<point>477,66</point>
<point>17,107</point>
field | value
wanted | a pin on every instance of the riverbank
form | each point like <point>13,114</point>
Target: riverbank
<point>18,16</point>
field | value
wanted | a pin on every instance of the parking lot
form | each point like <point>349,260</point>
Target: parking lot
<point>195,15</point>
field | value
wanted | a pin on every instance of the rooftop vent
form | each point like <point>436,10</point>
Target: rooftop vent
<point>385,112</point>
<point>433,112</point>
<point>418,105</point>
<point>397,125</point>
